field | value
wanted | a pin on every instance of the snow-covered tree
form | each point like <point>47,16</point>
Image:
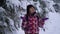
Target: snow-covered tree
<point>12,10</point>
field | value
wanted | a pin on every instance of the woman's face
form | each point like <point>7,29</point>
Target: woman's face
<point>32,10</point>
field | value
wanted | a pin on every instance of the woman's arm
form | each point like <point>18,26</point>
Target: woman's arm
<point>41,22</point>
<point>24,23</point>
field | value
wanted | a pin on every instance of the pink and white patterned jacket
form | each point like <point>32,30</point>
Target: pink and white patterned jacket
<point>32,25</point>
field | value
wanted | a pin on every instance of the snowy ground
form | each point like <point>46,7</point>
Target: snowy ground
<point>51,25</point>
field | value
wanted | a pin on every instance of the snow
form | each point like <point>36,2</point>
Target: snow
<point>24,3</point>
<point>1,9</point>
<point>38,8</point>
<point>51,25</point>
<point>15,2</point>
<point>49,5</point>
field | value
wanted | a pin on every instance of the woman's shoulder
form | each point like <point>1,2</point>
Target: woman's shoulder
<point>23,17</point>
<point>38,15</point>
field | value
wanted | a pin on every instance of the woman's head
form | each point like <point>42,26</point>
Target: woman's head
<point>30,9</point>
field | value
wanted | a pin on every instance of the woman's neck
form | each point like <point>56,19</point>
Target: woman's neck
<point>32,14</point>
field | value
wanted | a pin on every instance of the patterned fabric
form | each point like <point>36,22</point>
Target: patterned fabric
<point>32,25</point>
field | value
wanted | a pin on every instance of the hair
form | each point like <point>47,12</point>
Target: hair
<point>28,7</point>
<point>28,10</point>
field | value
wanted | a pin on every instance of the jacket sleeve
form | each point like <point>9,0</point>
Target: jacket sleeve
<point>41,22</point>
<point>24,22</point>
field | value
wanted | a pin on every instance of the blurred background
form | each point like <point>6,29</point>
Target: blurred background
<point>11,12</point>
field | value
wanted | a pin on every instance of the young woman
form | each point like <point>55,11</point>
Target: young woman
<point>31,21</point>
